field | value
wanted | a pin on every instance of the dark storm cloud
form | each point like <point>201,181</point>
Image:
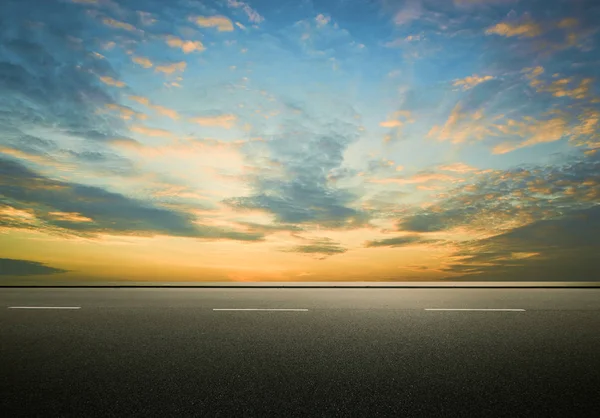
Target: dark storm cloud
<point>12,267</point>
<point>564,249</point>
<point>101,211</point>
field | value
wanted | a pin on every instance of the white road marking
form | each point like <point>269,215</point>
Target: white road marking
<point>259,309</point>
<point>44,307</point>
<point>469,309</point>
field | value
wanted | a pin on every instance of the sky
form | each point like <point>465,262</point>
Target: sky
<point>330,140</point>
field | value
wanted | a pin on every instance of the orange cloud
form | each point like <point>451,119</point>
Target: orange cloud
<point>222,23</point>
<point>69,217</point>
<point>391,124</point>
<point>141,100</point>
<point>536,132</point>
<point>471,81</point>
<point>159,109</point>
<point>568,23</point>
<point>560,88</point>
<point>23,215</point>
<point>395,123</point>
<point>528,29</point>
<point>185,46</point>
<point>143,61</point>
<point>458,168</point>
<point>418,178</point>
<point>118,25</point>
<point>150,131</point>
<point>223,121</point>
<point>171,68</point>
<point>460,126</point>
<point>166,112</point>
<point>125,112</point>
<point>112,82</point>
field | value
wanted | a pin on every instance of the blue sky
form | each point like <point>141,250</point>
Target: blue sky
<point>397,140</point>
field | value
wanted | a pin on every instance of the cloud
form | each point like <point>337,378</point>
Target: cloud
<point>411,10</point>
<point>482,2</point>
<point>12,267</point>
<point>69,217</point>
<point>293,169</point>
<point>323,246</point>
<point>185,46</point>
<point>461,126</point>
<point>171,68</point>
<point>222,121</point>
<point>143,61</point>
<point>469,82</point>
<point>222,23</point>
<point>253,15</point>
<point>525,29</point>
<point>104,212</point>
<point>395,124</point>
<point>125,112</point>
<point>536,132</point>
<point>322,20</point>
<point>144,130</point>
<point>146,18</point>
<point>401,241</point>
<point>118,24</point>
<point>165,111</point>
<point>568,23</point>
<point>499,200</point>
<point>457,168</point>
<point>50,84</point>
<point>112,82</point>
<point>561,249</point>
<point>567,87</point>
<point>417,179</point>
<point>391,124</point>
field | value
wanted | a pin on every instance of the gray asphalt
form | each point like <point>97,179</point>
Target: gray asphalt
<point>351,352</point>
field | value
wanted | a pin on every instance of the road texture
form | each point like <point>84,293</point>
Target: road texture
<point>300,352</point>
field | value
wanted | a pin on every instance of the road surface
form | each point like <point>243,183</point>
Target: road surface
<point>300,352</point>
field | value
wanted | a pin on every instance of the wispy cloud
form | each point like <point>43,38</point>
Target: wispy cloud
<point>410,11</point>
<point>222,121</point>
<point>118,24</point>
<point>535,132</point>
<point>253,15</point>
<point>162,110</point>
<point>400,241</point>
<point>125,112</point>
<point>144,130</point>
<point>418,178</point>
<point>471,81</point>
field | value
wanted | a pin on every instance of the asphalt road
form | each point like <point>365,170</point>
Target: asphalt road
<point>324,352</point>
